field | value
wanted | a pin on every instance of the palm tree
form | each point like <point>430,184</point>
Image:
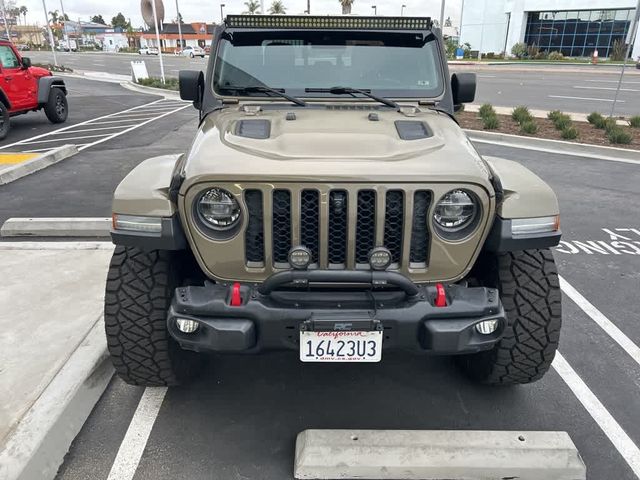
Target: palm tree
<point>23,11</point>
<point>55,16</point>
<point>277,8</point>
<point>346,6</point>
<point>253,6</point>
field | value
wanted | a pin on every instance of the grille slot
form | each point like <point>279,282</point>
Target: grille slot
<point>420,238</point>
<point>281,225</point>
<point>393,224</point>
<point>338,213</point>
<point>310,222</point>
<point>365,225</point>
<point>254,236</point>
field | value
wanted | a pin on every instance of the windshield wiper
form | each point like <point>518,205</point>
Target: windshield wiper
<point>349,90</point>
<point>265,89</point>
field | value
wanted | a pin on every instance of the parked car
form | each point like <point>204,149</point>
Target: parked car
<point>193,52</point>
<point>207,49</point>
<point>24,88</point>
<point>335,221</point>
<point>23,47</point>
<point>149,51</point>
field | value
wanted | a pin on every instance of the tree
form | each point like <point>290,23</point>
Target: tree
<point>277,8</point>
<point>23,11</point>
<point>253,6</point>
<point>346,6</point>
<point>98,19</point>
<point>119,21</point>
<point>55,16</point>
<point>448,22</point>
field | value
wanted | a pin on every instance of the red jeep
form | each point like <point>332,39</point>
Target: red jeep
<point>24,88</point>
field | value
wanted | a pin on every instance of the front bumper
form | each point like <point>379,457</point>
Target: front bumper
<point>273,321</point>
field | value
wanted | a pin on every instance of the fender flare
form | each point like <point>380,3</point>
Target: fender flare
<point>45,84</point>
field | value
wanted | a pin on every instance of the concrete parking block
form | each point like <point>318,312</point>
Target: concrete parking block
<point>436,454</point>
<point>12,170</point>
<point>52,353</point>
<point>56,227</point>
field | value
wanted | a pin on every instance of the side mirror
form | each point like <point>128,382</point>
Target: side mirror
<point>191,86</point>
<point>463,87</point>
<point>26,62</point>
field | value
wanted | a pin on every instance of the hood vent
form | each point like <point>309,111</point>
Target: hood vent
<point>412,130</point>
<point>353,107</point>
<point>257,129</point>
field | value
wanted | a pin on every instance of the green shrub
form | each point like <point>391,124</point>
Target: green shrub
<point>554,114</point>
<point>521,115</point>
<point>595,118</point>
<point>555,56</point>
<point>634,121</point>
<point>486,110</point>
<point>569,133</point>
<point>520,50</point>
<point>491,122</point>
<point>605,123</point>
<point>529,127</point>
<point>562,121</point>
<point>619,135</point>
<point>170,83</point>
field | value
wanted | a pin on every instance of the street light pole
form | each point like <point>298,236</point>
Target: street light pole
<point>222,5</point>
<point>375,9</point>
<point>179,25</point>
<point>633,31</point>
<point>64,28</point>
<point>6,25</point>
<point>261,7</point>
<point>442,15</point>
<point>402,10</point>
<point>155,22</point>
<point>51,40</point>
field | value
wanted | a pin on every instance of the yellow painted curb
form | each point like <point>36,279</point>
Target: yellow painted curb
<point>15,158</point>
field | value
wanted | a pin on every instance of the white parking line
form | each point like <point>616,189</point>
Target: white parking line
<point>70,139</point>
<point>585,98</point>
<point>114,121</point>
<point>87,130</point>
<point>135,440</point>
<point>611,428</point>
<point>613,81</point>
<point>607,325</point>
<point>606,88</point>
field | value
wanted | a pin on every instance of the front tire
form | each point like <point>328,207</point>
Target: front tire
<point>530,293</point>
<point>57,108</point>
<point>5,121</point>
<point>139,289</point>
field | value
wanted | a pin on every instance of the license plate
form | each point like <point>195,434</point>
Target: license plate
<point>341,346</point>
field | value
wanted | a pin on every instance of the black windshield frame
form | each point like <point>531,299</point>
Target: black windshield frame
<point>320,38</point>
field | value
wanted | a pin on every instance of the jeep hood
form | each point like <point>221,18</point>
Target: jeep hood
<point>342,143</point>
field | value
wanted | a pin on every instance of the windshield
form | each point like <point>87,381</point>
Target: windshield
<point>387,64</point>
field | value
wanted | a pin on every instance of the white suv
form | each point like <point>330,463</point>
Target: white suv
<point>193,52</point>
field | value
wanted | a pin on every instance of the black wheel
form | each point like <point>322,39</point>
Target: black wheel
<point>138,295</point>
<point>5,121</point>
<point>57,108</point>
<point>530,292</point>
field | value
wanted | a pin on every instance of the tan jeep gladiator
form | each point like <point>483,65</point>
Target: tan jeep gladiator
<point>330,204</point>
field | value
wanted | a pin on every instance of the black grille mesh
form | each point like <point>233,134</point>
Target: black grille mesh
<point>281,225</point>
<point>338,212</point>
<point>366,225</point>
<point>254,237</point>
<point>310,222</point>
<point>420,233</point>
<point>393,222</point>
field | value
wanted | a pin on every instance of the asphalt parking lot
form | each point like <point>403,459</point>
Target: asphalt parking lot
<point>240,419</point>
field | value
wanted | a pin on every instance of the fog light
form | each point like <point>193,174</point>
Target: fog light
<point>487,327</point>
<point>187,326</point>
<point>380,259</point>
<point>300,258</point>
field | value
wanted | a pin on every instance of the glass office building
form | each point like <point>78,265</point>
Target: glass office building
<point>578,33</point>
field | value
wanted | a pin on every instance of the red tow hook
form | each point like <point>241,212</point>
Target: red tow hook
<point>441,296</point>
<point>236,297</point>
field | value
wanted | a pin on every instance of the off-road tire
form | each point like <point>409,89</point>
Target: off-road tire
<point>139,289</point>
<point>57,108</point>
<point>5,121</point>
<point>530,293</point>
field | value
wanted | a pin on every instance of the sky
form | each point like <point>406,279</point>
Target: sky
<point>195,10</point>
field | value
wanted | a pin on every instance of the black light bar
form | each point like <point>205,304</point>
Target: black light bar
<point>301,22</point>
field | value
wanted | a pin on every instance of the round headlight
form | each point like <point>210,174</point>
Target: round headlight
<point>456,211</point>
<point>218,209</point>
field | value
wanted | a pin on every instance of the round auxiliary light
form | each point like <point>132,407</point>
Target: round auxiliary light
<point>300,258</point>
<point>219,209</point>
<point>455,211</point>
<point>380,258</point>
<point>187,326</point>
<point>487,327</point>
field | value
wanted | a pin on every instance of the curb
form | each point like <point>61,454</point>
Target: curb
<point>612,154</point>
<point>38,445</point>
<point>43,161</point>
<point>171,94</point>
<point>56,227</point>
